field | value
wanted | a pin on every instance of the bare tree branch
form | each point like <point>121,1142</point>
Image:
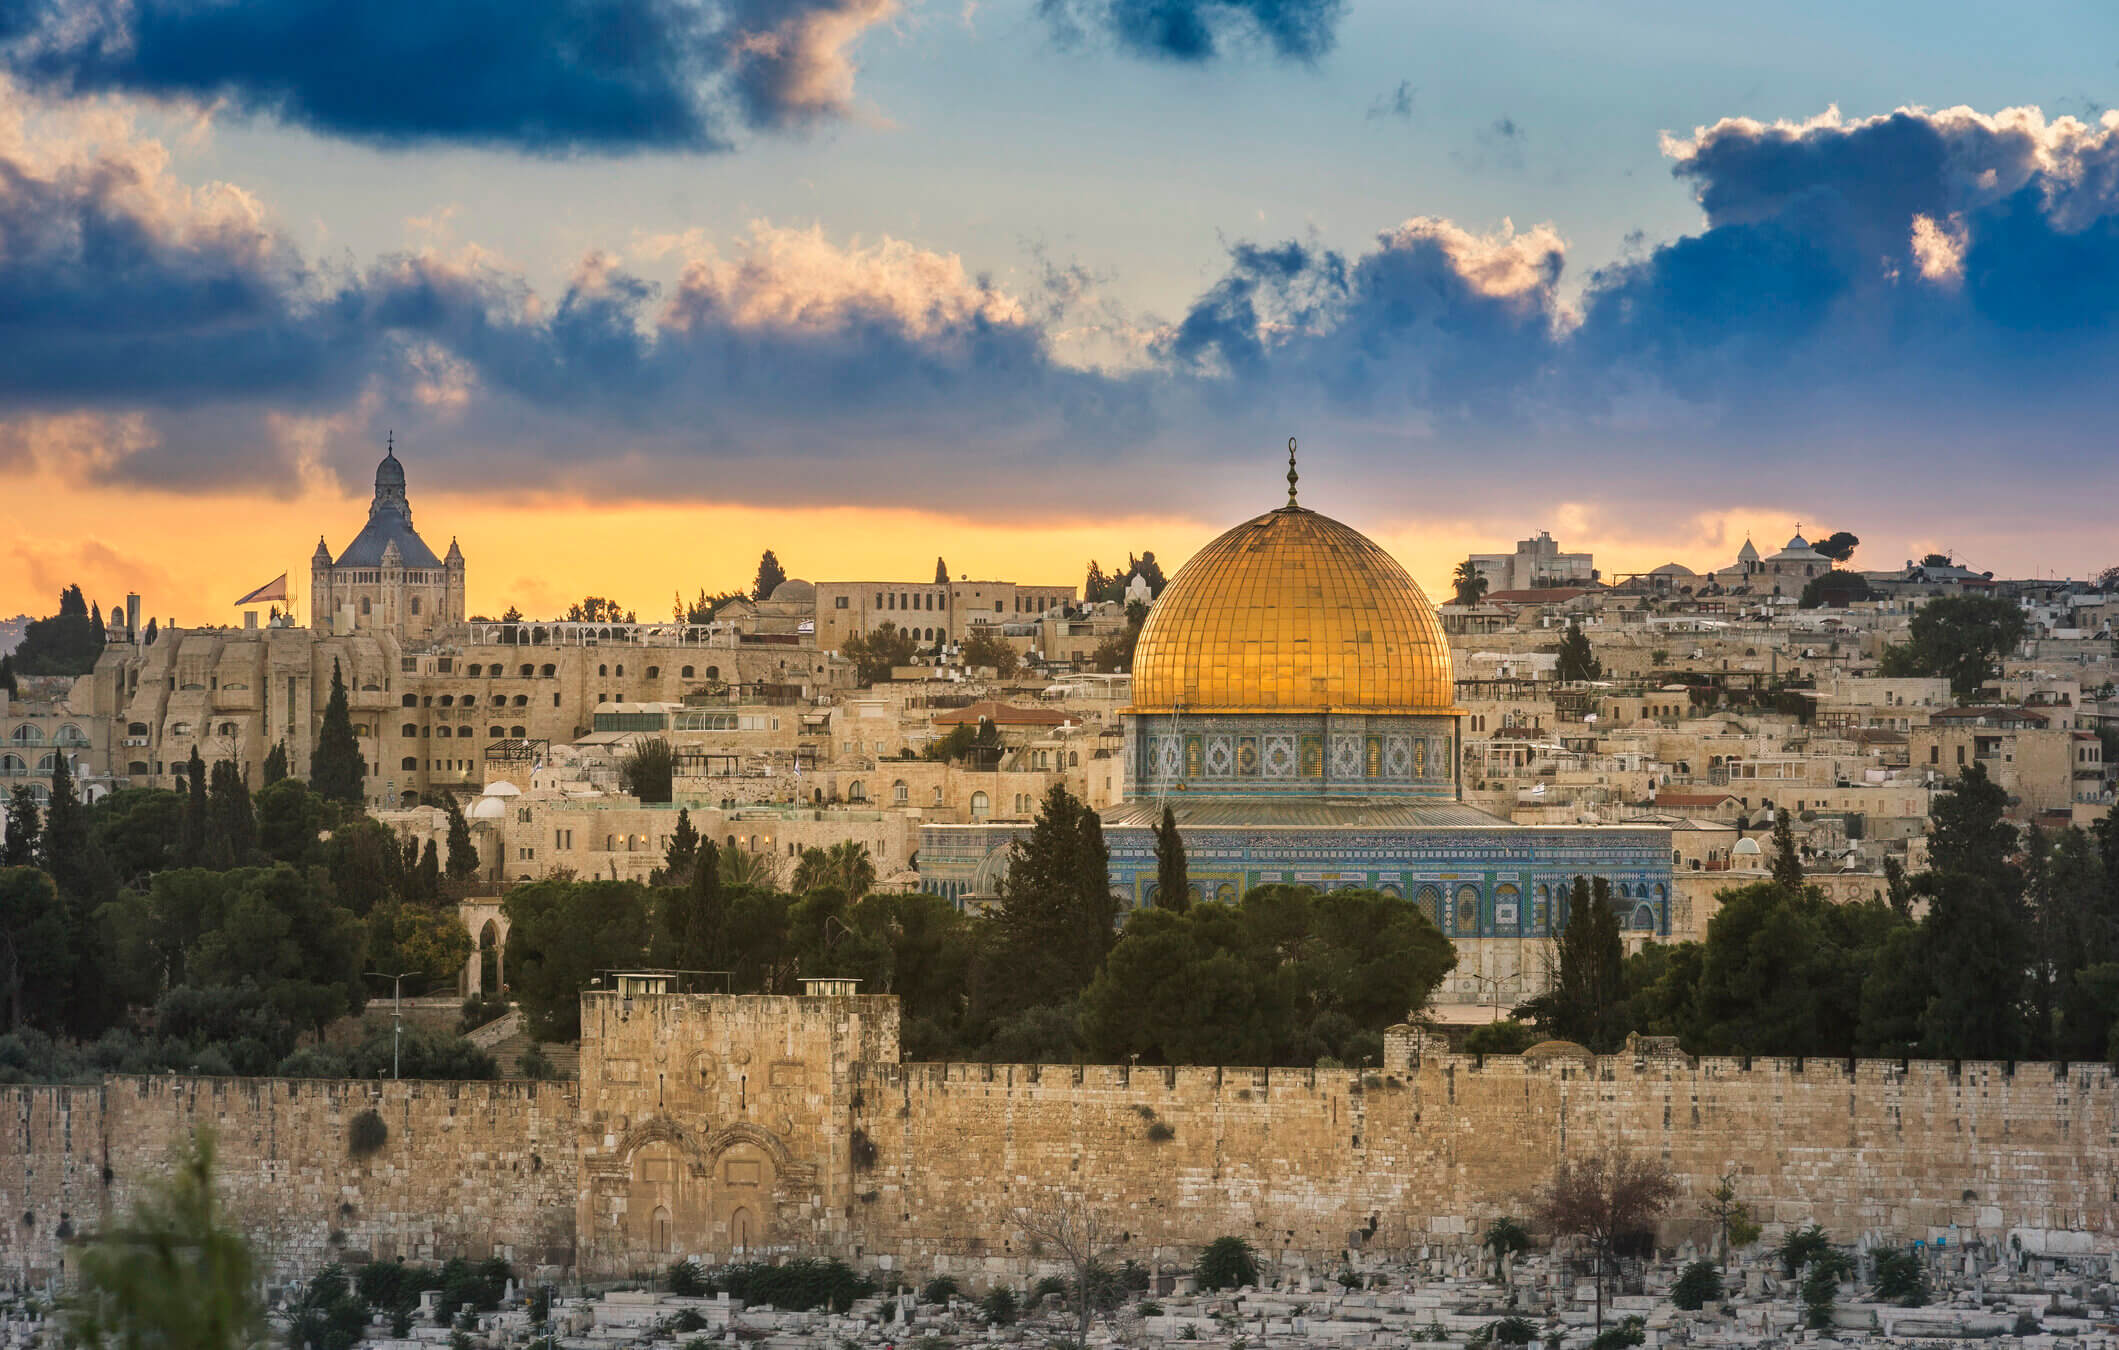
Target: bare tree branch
<point>1082,1234</point>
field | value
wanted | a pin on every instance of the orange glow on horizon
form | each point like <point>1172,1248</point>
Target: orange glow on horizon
<point>189,556</point>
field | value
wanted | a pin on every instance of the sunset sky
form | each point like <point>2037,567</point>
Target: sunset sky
<point>645,286</point>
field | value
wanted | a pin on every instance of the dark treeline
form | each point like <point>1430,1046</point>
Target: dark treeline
<point>1285,977</point>
<point>2013,955</point>
<point>215,930</point>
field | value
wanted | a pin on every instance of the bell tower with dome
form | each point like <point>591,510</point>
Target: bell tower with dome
<point>387,579</point>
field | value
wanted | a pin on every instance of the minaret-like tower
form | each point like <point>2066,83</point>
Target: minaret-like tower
<point>453,601</point>
<point>323,604</point>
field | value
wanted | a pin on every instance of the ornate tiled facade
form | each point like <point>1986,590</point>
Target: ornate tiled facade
<point>1262,756</point>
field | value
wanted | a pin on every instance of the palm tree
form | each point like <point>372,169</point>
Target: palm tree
<point>1469,583</point>
<point>845,867</point>
<point>741,867</point>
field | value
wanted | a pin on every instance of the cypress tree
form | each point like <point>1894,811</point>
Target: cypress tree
<point>694,919</point>
<point>1582,1004</point>
<point>1787,864</point>
<point>1173,888</point>
<point>683,852</point>
<point>191,840</point>
<point>463,854</point>
<point>232,825</point>
<point>339,771</point>
<point>7,676</point>
<point>1978,945</point>
<point>941,572</point>
<point>24,829</point>
<point>429,875</point>
<point>275,763</point>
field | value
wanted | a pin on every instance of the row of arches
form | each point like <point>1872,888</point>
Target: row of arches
<point>16,766</point>
<point>31,734</point>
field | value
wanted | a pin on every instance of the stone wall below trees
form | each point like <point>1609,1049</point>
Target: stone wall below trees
<point>757,1127</point>
<point>466,1169</point>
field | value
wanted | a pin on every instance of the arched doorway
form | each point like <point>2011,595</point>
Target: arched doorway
<point>489,981</point>
<point>741,1229</point>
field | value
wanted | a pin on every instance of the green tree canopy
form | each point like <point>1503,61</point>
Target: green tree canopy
<point>770,575</point>
<point>66,643</point>
<point>877,653</point>
<point>562,935</point>
<point>1961,638</point>
<point>1173,884</point>
<point>1577,660</point>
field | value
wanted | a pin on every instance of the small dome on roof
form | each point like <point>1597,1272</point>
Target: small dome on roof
<point>794,591</point>
<point>501,787</point>
<point>1745,848</point>
<point>390,473</point>
<point>487,808</point>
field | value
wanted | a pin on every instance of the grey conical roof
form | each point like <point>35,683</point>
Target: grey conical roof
<point>389,522</point>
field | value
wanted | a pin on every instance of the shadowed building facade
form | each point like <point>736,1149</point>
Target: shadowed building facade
<point>1293,707</point>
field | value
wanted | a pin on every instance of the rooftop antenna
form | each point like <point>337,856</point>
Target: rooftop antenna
<point>1292,475</point>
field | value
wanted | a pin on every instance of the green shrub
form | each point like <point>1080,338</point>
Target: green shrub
<point>387,1286</point>
<point>1134,1276</point>
<point>326,1315</point>
<point>1698,1286</point>
<point>1227,1263</point>
<point>688,1320</point>
<point>1513,1331</point>
<point>534,1063</point>
<point>1802,1247</point>
<point>1901,1279</point>
<point>1149,1308</point>
<point>999,1305</point>
<point>1505,1037</point>
<point>2027,1324</point>
<point>1045,1288</point>
<point>1105,1291</point>
<point>1820,1290</point>
<point>687,1280</point>
<point>1627,1333</point>
<point>798,1286</point>
<point>940,1289</point>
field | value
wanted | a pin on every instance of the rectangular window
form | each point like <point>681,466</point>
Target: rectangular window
<point>838,602</point>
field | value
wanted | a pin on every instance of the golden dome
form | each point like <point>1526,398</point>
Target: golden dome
<point>1292,612</point>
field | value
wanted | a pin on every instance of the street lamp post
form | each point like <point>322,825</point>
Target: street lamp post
<point>397,1012</point>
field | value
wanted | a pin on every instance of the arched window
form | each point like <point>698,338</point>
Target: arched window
<point>29,735</point>
<point>1644,919</point>
<point>442,732</point>
<point>603,670</point>
<point>937,794</point>
<point>227,729</point>
<point>408,764</point>
<point>500,700</point>
<point>549,671</point>
<point>1467,909</point>
<point>527,671</point>
<point>686,673</point>
<point>495,733</point>
<point>138,768</point>
<point>448,700</point>
<point>11,766</point>
<point>522,700</point>
<point>856,791</point>
<point>408,729</point>
<point>136,729</point>
<point>415,604</point>
<point>981,806</point>
<point>900,794</point>
<point>364,606</point>
<point>621,670</point>
<point>473,671</point>
<point>517,732</point>
<point>176,729</point>
<point>653,672</point>
<point>411,700</point>
<point>69,734</point>
<point>713,672</point>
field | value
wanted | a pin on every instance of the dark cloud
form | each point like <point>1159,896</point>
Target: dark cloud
<point>1199,30</point>
<point>544,76</point>
<point>1904,305</point>
<point>1398,103</point>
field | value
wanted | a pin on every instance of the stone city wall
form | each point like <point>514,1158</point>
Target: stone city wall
<point>1310,1163</point>
<point>467,1169</point>
<point>753,1128</point>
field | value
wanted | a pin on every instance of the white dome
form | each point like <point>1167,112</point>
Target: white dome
<point>501,787</point>
<point>487,808</point>
<point>1746,848</point>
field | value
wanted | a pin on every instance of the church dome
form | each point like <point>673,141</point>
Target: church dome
<point>1292,612</point>
<point>794,591</point>
<point>390,473</point>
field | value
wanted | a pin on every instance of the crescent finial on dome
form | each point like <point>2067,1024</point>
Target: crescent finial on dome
<point>1292,475</point>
